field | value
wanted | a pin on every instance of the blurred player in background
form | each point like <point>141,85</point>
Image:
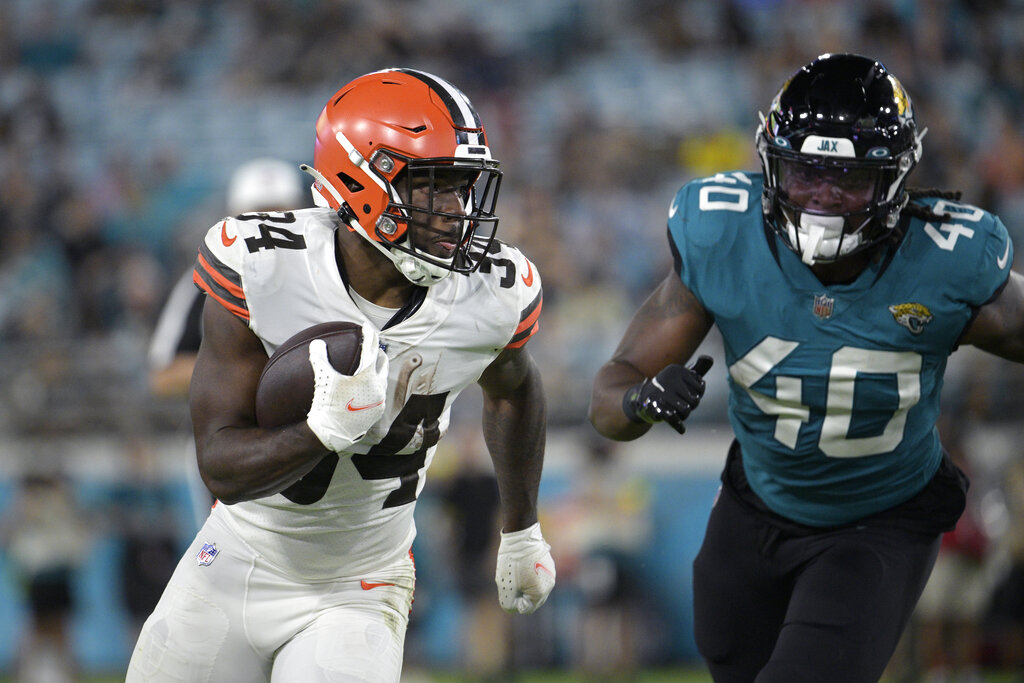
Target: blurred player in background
<point>263,184</point>
<point>46,536</point>
<point>839,296</point>
<point>260,185</point>
<point>304,571</point>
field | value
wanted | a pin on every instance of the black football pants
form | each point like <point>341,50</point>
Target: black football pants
<point>774,606</point>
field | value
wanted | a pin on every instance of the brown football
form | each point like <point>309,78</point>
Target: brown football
<point>285,389</point>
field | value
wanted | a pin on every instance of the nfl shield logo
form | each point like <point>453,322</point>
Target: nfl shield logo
<point>207,554</point>
<point>823,305</point>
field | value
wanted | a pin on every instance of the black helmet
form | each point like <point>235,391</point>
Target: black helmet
<point>845,122</point>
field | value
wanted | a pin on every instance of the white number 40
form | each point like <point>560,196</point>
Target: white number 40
<point>847,363</point>
<point>953,231</point>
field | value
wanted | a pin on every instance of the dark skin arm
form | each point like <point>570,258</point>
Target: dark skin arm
<point>999,325</point>
<point>514,422</point>
<point>238,460</point>
<point>666,329</point>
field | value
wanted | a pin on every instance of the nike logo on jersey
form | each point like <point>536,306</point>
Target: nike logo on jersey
<point>528,278</point>
<point>675,207</point>
<point>538,567</point>
<point>369,586</point>
<point>366,407</point>
<point>1001,261</point>
<point>225,240</point>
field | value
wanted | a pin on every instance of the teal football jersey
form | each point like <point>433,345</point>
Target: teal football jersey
<point>834,390</point>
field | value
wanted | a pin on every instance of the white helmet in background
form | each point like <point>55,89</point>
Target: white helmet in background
<point>265,185</point>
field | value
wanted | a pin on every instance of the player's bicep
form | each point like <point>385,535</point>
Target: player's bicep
<point>228,367</point>
<point>667,328</point>
<point>999,326</point>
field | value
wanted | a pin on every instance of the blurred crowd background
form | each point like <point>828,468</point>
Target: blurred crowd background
<point>121,122</point>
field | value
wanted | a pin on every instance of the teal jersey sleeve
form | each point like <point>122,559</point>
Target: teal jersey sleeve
<point>834,390</point>
<point>972,248</point>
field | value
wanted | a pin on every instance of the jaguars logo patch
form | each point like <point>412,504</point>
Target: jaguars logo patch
<point>911,316</point>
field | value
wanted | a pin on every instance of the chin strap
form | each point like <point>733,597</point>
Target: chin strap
<point>417,271</point>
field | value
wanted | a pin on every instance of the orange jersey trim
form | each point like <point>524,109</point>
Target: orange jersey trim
<point>528,323</point>
<point>231,287</point>
<point>237,310</point>
<point>529,320</point>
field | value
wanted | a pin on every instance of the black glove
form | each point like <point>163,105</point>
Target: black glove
<point>669,396</point>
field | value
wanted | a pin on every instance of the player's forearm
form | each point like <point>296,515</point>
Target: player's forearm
<point>606,414</point>
<point>514,431</point>
<point>240,464</point>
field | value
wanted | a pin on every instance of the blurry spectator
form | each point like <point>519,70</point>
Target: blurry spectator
<point>142,514</point>
<point>1001,169</point>
<point>950,608</point>
<point>602,523</point>
<point>46,539</point>
<point>471,497</point>
<point>1006,607</point>
<point>612,636</point>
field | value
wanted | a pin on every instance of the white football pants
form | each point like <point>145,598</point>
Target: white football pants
<point>230,616</point>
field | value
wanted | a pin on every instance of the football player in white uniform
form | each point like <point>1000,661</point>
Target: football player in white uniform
<point>303,571</point>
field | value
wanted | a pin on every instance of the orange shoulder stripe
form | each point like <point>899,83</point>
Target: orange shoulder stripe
<point>231,287</point>
<point>517,342</point>
<point>237,310</point>
<point>530,319</point>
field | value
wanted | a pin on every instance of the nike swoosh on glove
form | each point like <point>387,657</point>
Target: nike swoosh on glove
<point>345,407</point>
<point>525,573</point>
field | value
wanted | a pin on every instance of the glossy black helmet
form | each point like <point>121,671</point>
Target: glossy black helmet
<point>836,147</point>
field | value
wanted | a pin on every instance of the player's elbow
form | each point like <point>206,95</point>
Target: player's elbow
<point>225,485</point>
<point>222,490</point>
<point>612,423</point>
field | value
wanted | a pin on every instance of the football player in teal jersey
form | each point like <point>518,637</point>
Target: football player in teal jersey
<point>839,295</point>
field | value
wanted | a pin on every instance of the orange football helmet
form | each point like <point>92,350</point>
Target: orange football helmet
<point>393,133</point>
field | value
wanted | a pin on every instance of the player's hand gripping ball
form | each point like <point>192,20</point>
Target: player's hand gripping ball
<point>333,375</point>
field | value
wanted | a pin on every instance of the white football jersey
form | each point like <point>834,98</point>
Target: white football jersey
<point>354,512</point>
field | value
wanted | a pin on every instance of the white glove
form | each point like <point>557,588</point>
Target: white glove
<point>346,406</point>
<point>526,572</point>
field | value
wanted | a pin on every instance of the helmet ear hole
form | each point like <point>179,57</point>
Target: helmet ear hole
<point>351,183</point>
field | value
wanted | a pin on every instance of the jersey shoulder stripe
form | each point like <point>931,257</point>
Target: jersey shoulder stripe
<point>529,322</point>
<point>220,282</point>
